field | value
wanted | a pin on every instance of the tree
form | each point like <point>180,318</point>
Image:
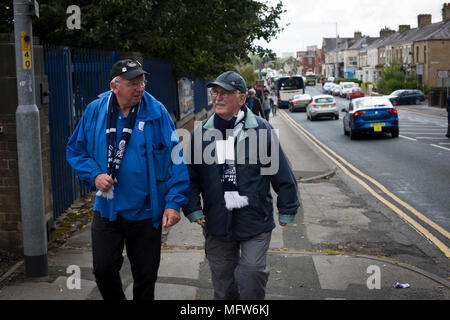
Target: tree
<point>394,78</point>
<point>200,38</point>
<point>249,74</point>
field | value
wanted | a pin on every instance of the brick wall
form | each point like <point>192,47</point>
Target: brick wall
<point>10,214</point>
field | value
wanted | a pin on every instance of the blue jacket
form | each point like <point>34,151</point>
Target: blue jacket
<point>168,181</point>
<point>257,217</point>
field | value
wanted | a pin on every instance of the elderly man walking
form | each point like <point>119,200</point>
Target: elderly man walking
<point>122,147</point>
<point>237,209</point>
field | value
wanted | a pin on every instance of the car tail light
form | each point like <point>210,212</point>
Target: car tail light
<point>279,98</point>
<point>313,104</point>
<point>392,111</point>
<point>334,103</point>
<point>359,113</point>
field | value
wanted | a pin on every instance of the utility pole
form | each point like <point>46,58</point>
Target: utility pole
<point>34,231</point>
<point>337,55</point>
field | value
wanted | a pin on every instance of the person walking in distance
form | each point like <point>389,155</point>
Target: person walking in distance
<point>122,147</point>
<point>230,196</point>
<point>267,104</point>
<point>254,104</point>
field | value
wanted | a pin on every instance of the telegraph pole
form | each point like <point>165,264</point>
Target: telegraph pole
<point>34,231</point>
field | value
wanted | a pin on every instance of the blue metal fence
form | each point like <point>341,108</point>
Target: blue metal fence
<point>57,63</point>
<point>162,84</point>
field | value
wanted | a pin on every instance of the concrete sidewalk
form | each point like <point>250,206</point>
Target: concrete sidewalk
<point>296,270</point>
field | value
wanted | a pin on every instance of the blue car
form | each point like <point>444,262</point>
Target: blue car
<point>370,115</point>
<point>399,97</point>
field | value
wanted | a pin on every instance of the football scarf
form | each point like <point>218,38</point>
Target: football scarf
<point>116,153</point>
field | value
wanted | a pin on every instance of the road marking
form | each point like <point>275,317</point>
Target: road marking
<point>430,138</point>
<point>440,147</point>
<point>424,114</point>
<point>404,137</point>
<point>430,133</point>
<point>418,227</point>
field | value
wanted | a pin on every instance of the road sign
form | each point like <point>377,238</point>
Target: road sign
<point>442,74</point>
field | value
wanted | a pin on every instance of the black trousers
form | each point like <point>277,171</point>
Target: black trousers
<point>143,245</point>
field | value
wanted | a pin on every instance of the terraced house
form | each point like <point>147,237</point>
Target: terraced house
<point>423,52</point>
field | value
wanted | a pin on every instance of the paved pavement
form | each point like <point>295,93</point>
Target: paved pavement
<point>298,270</point>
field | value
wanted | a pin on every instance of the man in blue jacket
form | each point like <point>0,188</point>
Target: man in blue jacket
<point>122,146</point>
<point>237,208</point>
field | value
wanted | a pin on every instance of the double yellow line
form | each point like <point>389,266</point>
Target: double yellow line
<point>352,172</point>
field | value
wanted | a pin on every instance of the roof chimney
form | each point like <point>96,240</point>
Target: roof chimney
<point>357,35</point>
<point>404,27</point>
<point>386,32</point>
<point>446,12</point>
<point>423,20</point>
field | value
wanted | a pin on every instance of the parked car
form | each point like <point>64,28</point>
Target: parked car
<point>346,87</point>
<point>406,97</point>
<point>299,102</point>
<point>355,92</point>
<point>326,87</point>
<point>322,106</point>
<point>334,90</point>
<point>370,115</point>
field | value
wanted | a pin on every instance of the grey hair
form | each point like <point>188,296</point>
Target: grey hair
<point>116,81</point>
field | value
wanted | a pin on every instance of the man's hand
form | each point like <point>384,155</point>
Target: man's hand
<point>170,217</point>
<point>104,182</point>
<point>201,222</point>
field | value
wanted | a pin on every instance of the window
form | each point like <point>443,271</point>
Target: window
<point>324,100</point>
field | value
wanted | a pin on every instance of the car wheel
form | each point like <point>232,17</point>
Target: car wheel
<point>345,132</point>
<point>353,134</point>
<point>336,117</point>
<point>395,133</point>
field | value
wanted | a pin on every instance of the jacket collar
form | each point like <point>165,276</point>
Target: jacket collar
<point>250,121</point>
<point>149,108</point>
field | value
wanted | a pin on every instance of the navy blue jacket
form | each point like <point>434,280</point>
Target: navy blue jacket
<point>257,217</point>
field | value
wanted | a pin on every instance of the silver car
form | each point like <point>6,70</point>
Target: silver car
<point>322,106</point>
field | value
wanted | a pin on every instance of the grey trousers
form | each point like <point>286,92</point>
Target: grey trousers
<point>238,268</point>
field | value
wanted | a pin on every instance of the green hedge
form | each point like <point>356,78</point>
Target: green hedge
<point>339,80</point>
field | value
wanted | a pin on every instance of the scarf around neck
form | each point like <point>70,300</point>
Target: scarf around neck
<point>116,153</point>
<point>233,200</point>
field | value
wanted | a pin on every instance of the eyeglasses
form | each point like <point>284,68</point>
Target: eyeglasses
<point>136,84</point>
<point>223,93</point>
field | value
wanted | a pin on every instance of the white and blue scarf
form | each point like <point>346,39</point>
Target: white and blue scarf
<point>116,153</point>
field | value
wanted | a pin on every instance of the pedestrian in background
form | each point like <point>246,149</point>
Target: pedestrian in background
<point>232,201</point>
<point>275,103</point>
<point>122,146</point>
<point>254,104</point>
<point>448,116</point>
<point>267,104</point>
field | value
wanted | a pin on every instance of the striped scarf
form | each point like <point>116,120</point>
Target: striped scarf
<point>116,153</point>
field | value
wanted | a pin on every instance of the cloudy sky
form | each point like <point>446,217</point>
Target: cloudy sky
<point>312,20</point>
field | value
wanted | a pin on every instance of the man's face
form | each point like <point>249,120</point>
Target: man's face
<point>226,103</point>
<point>129,92</point>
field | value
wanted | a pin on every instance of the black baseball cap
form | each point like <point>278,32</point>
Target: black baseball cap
<point>230,81</point>
<point>127,69</point>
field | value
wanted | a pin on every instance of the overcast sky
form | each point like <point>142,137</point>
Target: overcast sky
<point>312,20</point>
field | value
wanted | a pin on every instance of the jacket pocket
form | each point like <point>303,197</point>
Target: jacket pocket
<point>162,162</point>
